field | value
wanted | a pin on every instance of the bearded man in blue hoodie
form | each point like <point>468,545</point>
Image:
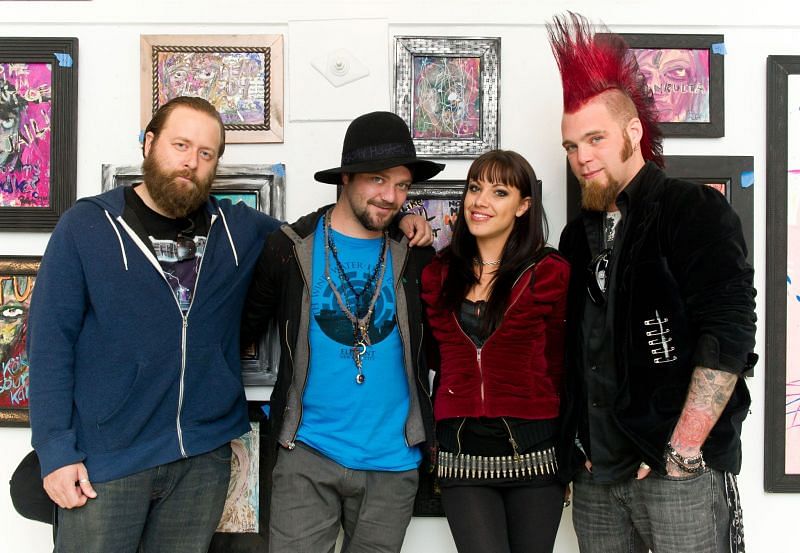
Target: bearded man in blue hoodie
<point>135,387</point>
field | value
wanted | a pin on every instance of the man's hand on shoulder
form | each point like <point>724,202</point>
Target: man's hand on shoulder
<point>417,229</point>
<point>69,486</point>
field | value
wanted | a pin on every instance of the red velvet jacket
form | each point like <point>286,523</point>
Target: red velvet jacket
<point>517,372</point>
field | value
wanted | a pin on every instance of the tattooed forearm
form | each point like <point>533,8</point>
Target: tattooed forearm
<point>708,395</point>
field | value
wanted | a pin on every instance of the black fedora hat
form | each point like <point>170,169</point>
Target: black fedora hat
<point>376,141</point>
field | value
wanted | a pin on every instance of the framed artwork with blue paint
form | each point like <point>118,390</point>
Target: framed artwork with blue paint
<point>782,349</point>
<point>261,187</point>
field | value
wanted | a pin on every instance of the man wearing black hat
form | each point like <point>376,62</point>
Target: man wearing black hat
<point>351,406</point>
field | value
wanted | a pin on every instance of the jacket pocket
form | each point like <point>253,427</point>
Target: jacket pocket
<point>149,407</point>
<point>212,391</point>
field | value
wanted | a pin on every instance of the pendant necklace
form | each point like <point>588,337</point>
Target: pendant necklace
<point>375,281</point>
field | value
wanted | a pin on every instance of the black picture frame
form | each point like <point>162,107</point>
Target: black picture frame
<point>61,53</point>
<point>714,44</point>
<point>734,171</point>
<point>15,372</point>
<point>778,402</point>
<point>268,184</point>
<point>252,542</point>
<point>438,201</point>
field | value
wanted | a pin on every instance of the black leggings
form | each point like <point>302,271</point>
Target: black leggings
<point>487,519</point>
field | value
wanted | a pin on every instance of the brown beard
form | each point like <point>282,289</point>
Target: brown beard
<point>595,196</point>
<point>168,195</point>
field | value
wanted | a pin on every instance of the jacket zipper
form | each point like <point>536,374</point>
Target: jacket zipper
<point>291,443</point>
<point>479,349</point>
<point>184,317</point>
<point>184,332</point>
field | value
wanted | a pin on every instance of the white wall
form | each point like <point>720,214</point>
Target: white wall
<point>109,31</point>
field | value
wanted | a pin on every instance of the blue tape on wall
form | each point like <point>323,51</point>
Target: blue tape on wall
<point>748,179</point>
<point>141,137</point>
<point>279,169</point>
<point>64,59</point>
<point>719,48</point>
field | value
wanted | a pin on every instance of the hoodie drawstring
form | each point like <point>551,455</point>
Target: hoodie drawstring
<point>119,237</point>
<point>230,238</point>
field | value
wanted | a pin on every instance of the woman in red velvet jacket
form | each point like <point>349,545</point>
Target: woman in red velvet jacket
<point>495,301</point>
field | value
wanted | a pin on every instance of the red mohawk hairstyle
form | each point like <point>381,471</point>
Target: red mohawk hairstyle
<point>592,63</point>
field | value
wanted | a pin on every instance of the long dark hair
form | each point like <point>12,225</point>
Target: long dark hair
<point>527,237</point>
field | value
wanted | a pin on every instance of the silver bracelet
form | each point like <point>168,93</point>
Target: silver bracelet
<point>690,465</point>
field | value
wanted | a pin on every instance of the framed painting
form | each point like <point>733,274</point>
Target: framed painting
<point>244,525</point>
<point>262,187</point>
<point>38,131</point>
<point>686,76</point>
<point>447,89</point>
<point>782,350</point>
<point>438,201</point>
<point>240,75</point>
<point>17,278</point>
<point>731,176</point>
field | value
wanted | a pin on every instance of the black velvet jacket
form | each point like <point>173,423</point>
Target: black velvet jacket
<point>682,274</point>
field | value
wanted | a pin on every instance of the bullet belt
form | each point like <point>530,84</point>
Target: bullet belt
<point>535,463</point>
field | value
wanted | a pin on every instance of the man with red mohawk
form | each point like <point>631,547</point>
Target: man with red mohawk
<point>661,320</point>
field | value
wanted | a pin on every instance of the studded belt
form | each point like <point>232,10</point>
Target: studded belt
<point>528,465</point>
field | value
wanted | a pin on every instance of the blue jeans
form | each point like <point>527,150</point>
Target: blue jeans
<point>172,508</point>
<point>662,513</point>
<point>313,496</point>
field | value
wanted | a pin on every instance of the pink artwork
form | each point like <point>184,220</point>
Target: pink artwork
<point>679,80</point>
<point>793,280</point>
<point>25,134</point>
<point>15,294</point>
<point>447,97</point>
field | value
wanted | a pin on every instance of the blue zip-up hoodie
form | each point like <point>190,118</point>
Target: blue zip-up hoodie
<point>120,379</point>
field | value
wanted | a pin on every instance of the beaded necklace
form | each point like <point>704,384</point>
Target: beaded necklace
<point>360,322</point>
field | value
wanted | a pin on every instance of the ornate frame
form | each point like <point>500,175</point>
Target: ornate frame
<point>269,46</point>
<point>487,50</point>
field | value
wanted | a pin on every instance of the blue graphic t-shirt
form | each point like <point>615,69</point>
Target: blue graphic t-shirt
<point>360,426</point>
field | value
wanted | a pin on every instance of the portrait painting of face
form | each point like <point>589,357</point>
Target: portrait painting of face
<point>15,292</point>
<point>446,97</point>
<point>25,116</point>
<point>679,80</point>
<point>233,82</point>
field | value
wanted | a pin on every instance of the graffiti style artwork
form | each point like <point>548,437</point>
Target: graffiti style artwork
<point>233,82</point>
<point>38,131</point>
<point>446,97</point>
<point>440,214</point>
<point>240,75</point>
<point>678,79</point>
<point>241,506</point>
<point>17,277</point>
<point>685,73</point>
<point>25,115</point>
<point>447,92</point>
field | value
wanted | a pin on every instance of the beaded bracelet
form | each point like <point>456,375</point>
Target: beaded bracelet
<point>689,465</point>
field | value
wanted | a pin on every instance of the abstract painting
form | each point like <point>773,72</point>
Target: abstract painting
<point>685,73</point>
<point>447,91</point>
<point>782,351</point>
<point>17,278</point>
<point>38,131</point>
<point>241,505</point>
<point>240,75</point>
<point>244,526</point>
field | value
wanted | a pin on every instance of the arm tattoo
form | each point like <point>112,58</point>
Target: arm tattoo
<point>708,395</point>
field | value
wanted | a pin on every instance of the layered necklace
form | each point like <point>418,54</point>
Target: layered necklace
<point>360,315</point>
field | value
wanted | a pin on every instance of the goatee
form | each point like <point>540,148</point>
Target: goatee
<point>173,197</point>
